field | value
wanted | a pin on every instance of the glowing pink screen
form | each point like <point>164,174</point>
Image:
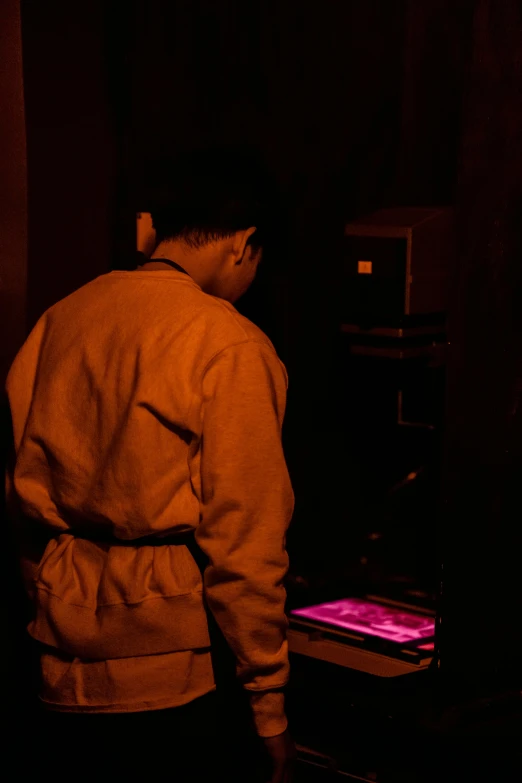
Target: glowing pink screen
<point>371,619</point>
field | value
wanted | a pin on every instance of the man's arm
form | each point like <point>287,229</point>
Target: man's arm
<point>247,505</point>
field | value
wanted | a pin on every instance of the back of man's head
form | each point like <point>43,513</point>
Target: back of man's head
<point>211,193</point>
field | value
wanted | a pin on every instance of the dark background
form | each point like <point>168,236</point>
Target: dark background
<point>357,105</point>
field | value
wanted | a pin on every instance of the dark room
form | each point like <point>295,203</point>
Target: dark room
<point>312,573</point>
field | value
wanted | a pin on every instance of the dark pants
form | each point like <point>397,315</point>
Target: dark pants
<point>206,740</point>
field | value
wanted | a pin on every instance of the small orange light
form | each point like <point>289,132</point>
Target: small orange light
<point>365,267</point>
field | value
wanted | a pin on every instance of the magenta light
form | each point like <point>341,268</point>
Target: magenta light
<point>371,619</point>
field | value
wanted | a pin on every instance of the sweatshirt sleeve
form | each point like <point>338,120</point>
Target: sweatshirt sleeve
<point>247,505</point>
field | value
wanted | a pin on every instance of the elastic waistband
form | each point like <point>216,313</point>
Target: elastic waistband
<point>187,539</point>
<point>100,537</point>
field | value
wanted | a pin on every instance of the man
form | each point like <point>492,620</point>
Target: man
<point>148,483</point>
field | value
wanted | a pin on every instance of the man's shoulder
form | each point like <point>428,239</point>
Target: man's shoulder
<point>237,328</point>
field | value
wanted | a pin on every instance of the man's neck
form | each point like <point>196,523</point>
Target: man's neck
<point>198,263</point>
<point>173,251</point>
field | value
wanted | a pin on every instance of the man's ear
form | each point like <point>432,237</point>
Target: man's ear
<point>241,241</point>
<point>145,234</point>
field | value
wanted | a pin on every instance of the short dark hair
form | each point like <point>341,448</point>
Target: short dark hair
<point>211,193</point>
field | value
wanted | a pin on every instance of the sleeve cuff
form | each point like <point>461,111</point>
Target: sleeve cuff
<point>268,710</point>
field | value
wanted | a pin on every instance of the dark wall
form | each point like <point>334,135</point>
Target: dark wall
<point>13,282</point>
<point>71,148</point>
<point>13,199</point>
<point>482,532</point>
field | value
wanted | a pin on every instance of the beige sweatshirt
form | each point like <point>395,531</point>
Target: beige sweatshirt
<point>143,406</point>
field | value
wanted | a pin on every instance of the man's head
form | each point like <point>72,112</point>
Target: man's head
<point>215,215</point>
